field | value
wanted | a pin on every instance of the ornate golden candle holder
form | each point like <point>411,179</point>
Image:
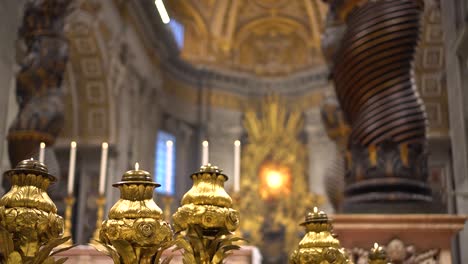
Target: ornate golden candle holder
<point>135,231</point>
<point>69,202</point>
<point>100,202</point>
<point>318,245</point>
<point>29,225</point>
<point>377,255</point>
<point>205,221</point>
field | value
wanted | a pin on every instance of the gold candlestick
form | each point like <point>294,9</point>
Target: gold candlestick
<point>67,232</point>
<point>377,255</point>
<point>207,217</point>
<point>29,225</point>
<point>135,231</point>
<point>100,202</point>
<point>318,244</point>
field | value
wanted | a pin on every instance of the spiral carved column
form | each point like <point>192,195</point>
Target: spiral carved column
<point>338,131</point>
<point>38,83</point>
<point>373,74</point>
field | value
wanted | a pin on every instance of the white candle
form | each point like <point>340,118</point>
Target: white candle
<point>169,148</point>
<point>71,168</point>
<point>205,153</point>
<point>237,160</point>
<point>137,166</point>
<point>102,171</point>
<point>41,152</point>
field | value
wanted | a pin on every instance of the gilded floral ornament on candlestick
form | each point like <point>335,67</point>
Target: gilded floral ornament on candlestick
<point>318,245</point>
<point>377,255</point>
<point>29,225</point>
<point>205,221</point>
<point>135,231</point>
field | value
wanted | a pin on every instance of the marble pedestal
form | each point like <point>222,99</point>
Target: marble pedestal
<point>406,236</point>
<point>87,254</point>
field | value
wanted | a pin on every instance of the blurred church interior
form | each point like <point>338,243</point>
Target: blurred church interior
<point>355,107</point>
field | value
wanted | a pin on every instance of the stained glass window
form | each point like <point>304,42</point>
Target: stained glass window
<point>165,163</point>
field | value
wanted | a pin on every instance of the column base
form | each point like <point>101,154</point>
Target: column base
<point>404,236</point>
<point>393,207</point>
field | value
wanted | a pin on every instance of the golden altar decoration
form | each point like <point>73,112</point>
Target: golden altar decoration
<point>274,140</point>
<point>205,222</point>
<point>377,255</point>
<point>135,231</point>
<point>319,245</point>
<point>29,225</point>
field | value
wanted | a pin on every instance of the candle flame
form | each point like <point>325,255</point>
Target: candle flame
<point>42,145</point>
<point>137,166</point>
<point>237,143</point>
<point>105,145</point>
<point>32,159</point>
<point>376,245</point>
<point>205,143</point>
<point>315,209</point>
<point>73,144</point>
<point>169,143</point>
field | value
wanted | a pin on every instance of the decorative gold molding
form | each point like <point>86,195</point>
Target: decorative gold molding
<point>273,138</point>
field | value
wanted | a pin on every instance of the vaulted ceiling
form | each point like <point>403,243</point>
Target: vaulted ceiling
<point>265,37</point>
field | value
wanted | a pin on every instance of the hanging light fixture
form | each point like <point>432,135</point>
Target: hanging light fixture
<point>162,11</point>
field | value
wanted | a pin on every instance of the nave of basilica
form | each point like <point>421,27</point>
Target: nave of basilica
<point>233,131</point>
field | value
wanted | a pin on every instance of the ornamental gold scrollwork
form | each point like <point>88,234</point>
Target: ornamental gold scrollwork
<point>274,137</point>
<point>318,244</point>
<point>205,222</point>
<point>135,231</point>
<point>29,225</point>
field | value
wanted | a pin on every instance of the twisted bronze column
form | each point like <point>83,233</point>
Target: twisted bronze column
<point>338,131</point>
<point>373,75</point>
<point>38,83</point>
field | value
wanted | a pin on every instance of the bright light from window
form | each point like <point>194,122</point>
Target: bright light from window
<point>178,32</point>
<point>162,11</point>
<point>274,179</point>
<point>165,163</point>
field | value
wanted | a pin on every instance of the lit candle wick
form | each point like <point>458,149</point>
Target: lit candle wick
<point>137,166</point>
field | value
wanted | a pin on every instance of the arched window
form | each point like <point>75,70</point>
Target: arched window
<point>165,163</point>
<point>178,30</point>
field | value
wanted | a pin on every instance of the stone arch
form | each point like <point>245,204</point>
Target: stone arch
<point>88,109</point>
<point>196,28</point>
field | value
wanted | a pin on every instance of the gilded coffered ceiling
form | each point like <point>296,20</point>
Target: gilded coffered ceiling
<point>266,37</point>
